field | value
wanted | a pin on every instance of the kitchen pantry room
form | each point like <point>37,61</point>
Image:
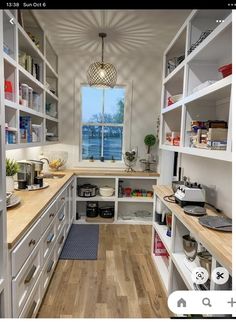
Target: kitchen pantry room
<point>116,162</point>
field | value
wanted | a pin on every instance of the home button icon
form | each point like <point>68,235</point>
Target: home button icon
<point>181,303</point>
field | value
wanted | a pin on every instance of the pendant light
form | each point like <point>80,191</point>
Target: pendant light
<point>102,74</point>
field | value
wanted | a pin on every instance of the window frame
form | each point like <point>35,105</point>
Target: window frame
<point>126,126</point>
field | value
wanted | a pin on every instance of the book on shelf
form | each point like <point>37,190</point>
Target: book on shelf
<point>25,129</point>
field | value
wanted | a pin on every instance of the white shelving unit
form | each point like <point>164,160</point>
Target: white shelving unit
<point>175,270</point>
<point>3,228</point>
<point>123,206</point>
<point>29,59</point>
<point>197,67</point>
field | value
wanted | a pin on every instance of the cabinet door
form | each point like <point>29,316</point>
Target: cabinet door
<point>25,247</point>
<point>25,280</point>
<point>32,305</point>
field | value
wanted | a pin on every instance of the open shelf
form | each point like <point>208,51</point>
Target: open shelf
<point>179,260</point>
<point>161,264</point>
<point>99,220</point>
<point>96,198</point>
<point>135,199</point>
<point>162,230</point>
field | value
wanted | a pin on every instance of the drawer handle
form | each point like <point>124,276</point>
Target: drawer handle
<point>61,217</point>
<point>32,242</point>
<point>50,266</point>
<point>72,187</point>
<point>61,240</point>
<point>50,238</point>
<point>63,198</point>
<point>31,310</point>
<point>30,275</point>
<point>51,215</point>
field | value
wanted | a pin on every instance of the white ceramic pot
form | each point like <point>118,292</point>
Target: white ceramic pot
<point>106,191</point>
<point>9,184</point>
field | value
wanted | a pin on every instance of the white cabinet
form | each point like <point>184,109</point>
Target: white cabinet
<point>35,256</point>
<point>194,91</point>
<point>31,79</point>
<point>132,199</point>
<point>168,252</point>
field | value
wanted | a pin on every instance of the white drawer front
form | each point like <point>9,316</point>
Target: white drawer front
<point>48,216</point>
<point>61,218</point>
<point>32,305</point>
<point>25,248</point>
<point>61,199</point>
<point>25,280</point>
<point>48,240</point>
<point>48,271</point>
<point>60,242</point>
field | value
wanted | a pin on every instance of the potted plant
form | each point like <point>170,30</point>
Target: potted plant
<point>12,168</point>
<point>149,140</point>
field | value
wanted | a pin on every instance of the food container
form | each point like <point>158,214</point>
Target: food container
<point>25,95</point>
<point>8,90</point>
<point>106,191</point>
<point>226,70</point>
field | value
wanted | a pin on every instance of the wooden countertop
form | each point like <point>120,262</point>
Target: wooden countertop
<point>33,203</point>
<point>111,172</point>
<point>218,243</point>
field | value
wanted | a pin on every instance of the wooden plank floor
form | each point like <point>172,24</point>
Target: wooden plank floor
<point>121,283</point>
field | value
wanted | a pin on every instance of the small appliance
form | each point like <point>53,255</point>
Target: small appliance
<point>87,190</point>
<point>92,209</point>
<point>190,194</point>
<point>26,174</point>
<point>106,212</point>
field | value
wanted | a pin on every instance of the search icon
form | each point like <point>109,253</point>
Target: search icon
<point>206,301</point>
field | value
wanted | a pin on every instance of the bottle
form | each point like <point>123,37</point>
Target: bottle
<point>30,97</point>
<point>25,95</point>
<point>120,189</point>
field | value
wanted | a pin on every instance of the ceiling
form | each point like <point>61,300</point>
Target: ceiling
<point>128,31</point>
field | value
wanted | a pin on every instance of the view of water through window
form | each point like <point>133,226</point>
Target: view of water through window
<point>102,122</point>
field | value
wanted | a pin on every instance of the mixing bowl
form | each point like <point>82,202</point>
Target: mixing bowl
<point>190,247</point>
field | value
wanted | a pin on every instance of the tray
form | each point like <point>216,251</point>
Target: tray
<point>45,185</point>
<point>14,201</point>
<point>216,222</point>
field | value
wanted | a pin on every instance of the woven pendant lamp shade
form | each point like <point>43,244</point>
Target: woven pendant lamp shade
<point>100,74</point>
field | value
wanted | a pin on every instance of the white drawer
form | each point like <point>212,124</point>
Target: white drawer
<point>61,199</point>
<point>60,242</point>
<point>25,280</point>
<point>25,247</point>
<point>48,271</point>
<point>48,240</point>
<point>31,307</point>
<point>61,218</point>
<point>48,216</point>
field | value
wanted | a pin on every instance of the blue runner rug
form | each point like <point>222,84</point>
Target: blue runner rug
<point>81,243</point>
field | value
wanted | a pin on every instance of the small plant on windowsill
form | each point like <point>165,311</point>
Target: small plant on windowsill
<point>91,159</point>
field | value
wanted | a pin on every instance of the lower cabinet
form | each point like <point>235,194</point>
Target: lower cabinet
<point>35,257</point>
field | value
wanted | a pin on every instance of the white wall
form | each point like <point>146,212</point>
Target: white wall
<point>216,175</point>
<point>144,72</point>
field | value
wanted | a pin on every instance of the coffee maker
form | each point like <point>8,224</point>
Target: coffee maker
<point>25,175</point>
<point>29,173</point>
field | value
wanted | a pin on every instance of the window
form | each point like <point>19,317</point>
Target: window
<point>102,122</point>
